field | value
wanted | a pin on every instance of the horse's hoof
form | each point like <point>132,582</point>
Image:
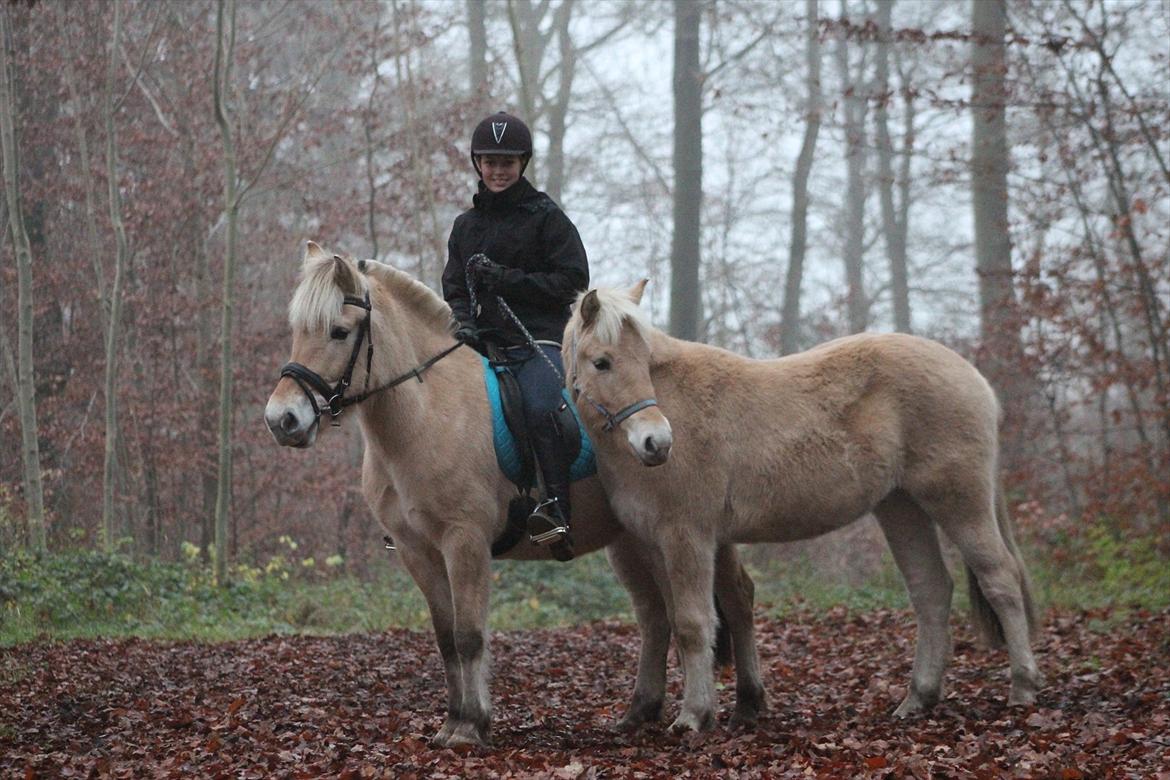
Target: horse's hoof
<point>744,718</point>
<point>750,703</point>
<point>690,721</point>
<point>639,712</point>
<point>443,735</point>
<point>1021,697</point>
<point>467,734</point>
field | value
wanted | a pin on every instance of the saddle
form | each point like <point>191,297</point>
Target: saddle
<point>514,449</point>
<point>510,434</point>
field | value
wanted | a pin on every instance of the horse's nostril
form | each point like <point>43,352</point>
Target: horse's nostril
<point>288,423</point>
<point>650,445</point>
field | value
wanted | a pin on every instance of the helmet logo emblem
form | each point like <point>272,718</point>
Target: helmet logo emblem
<point>498,129</point>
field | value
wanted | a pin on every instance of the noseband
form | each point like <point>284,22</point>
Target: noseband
<point>335,399</point>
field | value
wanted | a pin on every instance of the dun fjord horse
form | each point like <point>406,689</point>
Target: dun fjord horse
<point>778,450</point>
<point>367,335</point>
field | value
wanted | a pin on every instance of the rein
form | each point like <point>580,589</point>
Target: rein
<point>335,398</point>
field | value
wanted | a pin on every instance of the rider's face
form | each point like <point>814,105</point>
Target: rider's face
<point>499,171</point>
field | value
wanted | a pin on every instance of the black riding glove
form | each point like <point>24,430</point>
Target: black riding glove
<point>468,334</point>
<point>488,275</point>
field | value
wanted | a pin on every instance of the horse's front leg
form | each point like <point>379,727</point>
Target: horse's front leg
<point>468,561</point>
<point>426,566</point>
<point>689,563</point>
<point>635,570</point>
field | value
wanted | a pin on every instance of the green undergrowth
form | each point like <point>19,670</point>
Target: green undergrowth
<point>78,594</point>
<point>84,594</point>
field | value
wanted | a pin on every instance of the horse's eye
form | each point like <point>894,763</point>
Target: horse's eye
<point>602,364</point>
<point>339,333</point>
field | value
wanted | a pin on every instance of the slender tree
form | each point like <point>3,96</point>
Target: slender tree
<point>477,48</point>
<point>225,41</point>
<point>114,319</point>
<point>990,162</point>
<point>26,388</point>
<point>894,217</point>
<point>790,316</point>
<point>855,108</point>
<point>685,300</point>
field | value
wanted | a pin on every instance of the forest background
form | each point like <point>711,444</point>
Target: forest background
<point>989,174</point>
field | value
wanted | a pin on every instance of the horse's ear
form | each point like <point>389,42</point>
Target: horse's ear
<point>590,306</point>
<point>635,292</point>
<point>343,276</point>
<point>313,251</point>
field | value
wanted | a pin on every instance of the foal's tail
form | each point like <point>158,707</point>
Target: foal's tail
<point>987,623</point>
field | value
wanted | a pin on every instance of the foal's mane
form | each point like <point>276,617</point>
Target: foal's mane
<point>318,299</point>
<point>616,308</point>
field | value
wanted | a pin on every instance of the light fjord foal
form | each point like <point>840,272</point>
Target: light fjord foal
<point>430,477</point>
<point>786,449</point>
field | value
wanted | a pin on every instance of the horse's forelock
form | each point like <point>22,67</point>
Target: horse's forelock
<point>317,300</point>
<point>614,311</point>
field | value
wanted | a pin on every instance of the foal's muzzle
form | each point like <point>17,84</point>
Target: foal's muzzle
<point>650,437</point>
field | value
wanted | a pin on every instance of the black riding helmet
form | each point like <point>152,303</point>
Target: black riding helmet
<point>502,133</point>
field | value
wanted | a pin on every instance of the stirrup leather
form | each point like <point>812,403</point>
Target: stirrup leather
<point>545,525</point>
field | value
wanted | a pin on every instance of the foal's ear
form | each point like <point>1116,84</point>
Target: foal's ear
<point>635,292</point>
<point>590,306</point>
<point>343,276</point>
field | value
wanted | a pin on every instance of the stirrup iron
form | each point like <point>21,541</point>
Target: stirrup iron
<point>546,516</point>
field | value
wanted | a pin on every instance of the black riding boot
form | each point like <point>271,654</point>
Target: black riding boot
<point>548,525</point>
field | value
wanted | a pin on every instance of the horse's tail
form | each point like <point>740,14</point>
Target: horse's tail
<point>987,623</point>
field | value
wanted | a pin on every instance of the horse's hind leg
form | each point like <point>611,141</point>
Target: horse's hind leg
<point>736,593</point>
<point>968,518</point>
<point>913,541</point>
<point>635,570</point>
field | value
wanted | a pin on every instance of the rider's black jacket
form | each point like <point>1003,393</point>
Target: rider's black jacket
<point>523,230</point>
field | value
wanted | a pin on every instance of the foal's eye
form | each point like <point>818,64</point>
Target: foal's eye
<point>339,333</point>
<point>602,364</point>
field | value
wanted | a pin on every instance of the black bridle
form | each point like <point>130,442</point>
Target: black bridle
<point>335,399</point>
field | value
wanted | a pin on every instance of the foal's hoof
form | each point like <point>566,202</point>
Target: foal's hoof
<point>1021,697</point>
<point>749,704</point>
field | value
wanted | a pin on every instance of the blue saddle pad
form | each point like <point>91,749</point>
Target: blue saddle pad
<point>508,454</point>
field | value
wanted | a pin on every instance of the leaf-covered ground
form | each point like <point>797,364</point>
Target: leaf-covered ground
<point>364,706</point>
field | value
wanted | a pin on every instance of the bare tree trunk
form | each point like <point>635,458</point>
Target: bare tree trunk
<point>555,180</point>
<point>855,158</point>
<point>790,315</point>
<point>688,172</point>
<point>477,50</point>
<point>26,388</point>
<point>893,218</point>
<point>990,161</point>
<point>225,30</point>
<point>110,468</point>
<point>368,127</point>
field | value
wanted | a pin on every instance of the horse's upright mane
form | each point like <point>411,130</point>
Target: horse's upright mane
<point>410,291</point>
<point>616,308</point>
<point>318,298</point>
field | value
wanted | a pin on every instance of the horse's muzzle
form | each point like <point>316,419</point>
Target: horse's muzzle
<point>289,424</point>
